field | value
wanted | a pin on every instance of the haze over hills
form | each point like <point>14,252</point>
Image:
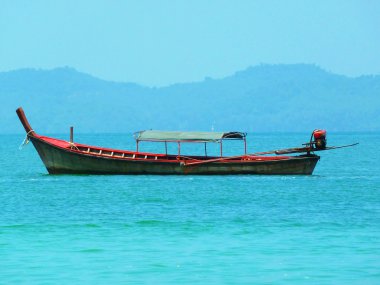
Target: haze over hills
<point>263,98</point>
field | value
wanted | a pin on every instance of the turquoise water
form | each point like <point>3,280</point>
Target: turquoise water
<point>320,229</point>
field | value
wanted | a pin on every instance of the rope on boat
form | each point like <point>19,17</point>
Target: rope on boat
<point>72,145</point>
<point>25,141</point>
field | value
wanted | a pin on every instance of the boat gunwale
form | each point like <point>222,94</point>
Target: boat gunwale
<point>223,160</point>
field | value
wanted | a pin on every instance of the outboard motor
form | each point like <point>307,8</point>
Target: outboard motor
<point>318,138</point>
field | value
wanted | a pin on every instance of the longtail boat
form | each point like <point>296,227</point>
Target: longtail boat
<point>69,157</point>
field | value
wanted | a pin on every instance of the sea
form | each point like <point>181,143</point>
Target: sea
<point>237,229</point>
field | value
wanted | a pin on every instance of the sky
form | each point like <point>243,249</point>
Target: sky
<point>158,43</point>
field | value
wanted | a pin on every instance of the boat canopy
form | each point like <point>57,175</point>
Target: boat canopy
<point>170,136</point>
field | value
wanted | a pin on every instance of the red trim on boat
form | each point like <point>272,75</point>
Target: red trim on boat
<point>133,155</point>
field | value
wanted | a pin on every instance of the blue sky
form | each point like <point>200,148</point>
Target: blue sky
<point>157,43</point>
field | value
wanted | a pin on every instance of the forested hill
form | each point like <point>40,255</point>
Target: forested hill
<point>262,98</point>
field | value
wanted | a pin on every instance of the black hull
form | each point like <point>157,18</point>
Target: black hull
<point>65,161</point>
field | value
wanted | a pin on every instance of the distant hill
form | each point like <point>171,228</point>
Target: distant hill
<point>262,98</point>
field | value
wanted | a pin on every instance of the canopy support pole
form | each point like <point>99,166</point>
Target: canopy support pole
<point>245,145</point>
<point>137,146</point>
<point>166,148</point>
<point>206,149</point>
<point>179,149</point>
<point>221,148</point>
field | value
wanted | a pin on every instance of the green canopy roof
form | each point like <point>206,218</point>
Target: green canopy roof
<point>186,136</point>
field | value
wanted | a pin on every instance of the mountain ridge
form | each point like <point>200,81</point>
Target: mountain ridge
<point>298,97</point>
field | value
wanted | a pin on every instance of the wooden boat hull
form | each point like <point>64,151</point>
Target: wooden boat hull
<point>59,160</point>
